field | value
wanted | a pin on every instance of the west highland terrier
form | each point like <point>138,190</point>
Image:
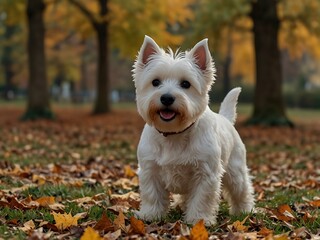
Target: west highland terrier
<point>185,148</point>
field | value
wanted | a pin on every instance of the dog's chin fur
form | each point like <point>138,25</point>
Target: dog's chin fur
<point>191,151</point>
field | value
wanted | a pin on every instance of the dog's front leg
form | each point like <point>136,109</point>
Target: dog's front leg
<point>204,194</point>
<point>154,197</point>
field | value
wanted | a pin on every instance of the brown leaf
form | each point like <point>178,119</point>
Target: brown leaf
<point>104,224</point>
<point>199,231</point>
<point>113,235</point>
<point>137,226</point>
<point>119,222</point>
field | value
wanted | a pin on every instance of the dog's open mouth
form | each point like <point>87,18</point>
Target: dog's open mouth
<point>167,114</point>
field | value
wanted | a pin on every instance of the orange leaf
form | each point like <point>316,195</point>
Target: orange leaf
<point>199,231</point>
<point>90,234</point>
<point>284,213</point>
<point>137,226</point>
<point>315,203</point>
<point>265,231</point>
<point>64,220</point>
<point>45,201</point>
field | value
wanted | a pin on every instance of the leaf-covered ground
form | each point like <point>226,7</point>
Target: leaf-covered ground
<point>75,178</point>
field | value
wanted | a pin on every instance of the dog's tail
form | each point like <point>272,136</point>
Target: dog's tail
<point>228,105</point>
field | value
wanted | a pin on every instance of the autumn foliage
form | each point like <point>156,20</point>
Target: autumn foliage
<point>77,175</point>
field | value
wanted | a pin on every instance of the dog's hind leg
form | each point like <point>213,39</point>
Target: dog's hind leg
<point>237,184</point>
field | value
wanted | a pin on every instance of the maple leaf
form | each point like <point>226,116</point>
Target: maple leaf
<point>199,231</point>
<point>90,234</point>
<point>64,220</point>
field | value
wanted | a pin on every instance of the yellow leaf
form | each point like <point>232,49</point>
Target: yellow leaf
<point>129,172</point>
<point>90,234</point>
<point>64,220</point>
<point>199,231</point>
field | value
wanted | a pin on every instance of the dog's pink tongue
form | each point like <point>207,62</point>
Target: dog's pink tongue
<point>167,114</point>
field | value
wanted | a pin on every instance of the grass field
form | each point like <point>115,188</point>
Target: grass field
<point>83,167</point>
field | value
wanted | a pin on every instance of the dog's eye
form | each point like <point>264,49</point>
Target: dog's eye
<point>156,82</point>
<point>185,84</point>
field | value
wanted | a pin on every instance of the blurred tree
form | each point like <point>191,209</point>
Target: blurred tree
<point>274,24</point>
<point>268,100</point>
<point>100,25</point>
<point>10,18</point>
<point>129,22</point>
<point>38,105</point>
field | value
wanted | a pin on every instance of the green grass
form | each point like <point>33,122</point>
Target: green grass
<point>43,153</point>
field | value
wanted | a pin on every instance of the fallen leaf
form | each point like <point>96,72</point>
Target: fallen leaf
<point>119,222</point>
<point>239,226</point>
<point>199,231</point>
<point>265,231</point>
<point>28,226</point>
<point>315,203</point>
<point>284,213</point>
<point>104,224</point>
<point>128,171</point>
<point>90,234</point>
<point>45,201</point>
<point>64,220</point>
<point>113,235</point>
<point>137,226</point>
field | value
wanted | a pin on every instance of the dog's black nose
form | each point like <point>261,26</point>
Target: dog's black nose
<point>167,99</point>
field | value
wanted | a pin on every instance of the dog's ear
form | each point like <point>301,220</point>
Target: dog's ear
<point>148,48</point>
<point>200,54</point>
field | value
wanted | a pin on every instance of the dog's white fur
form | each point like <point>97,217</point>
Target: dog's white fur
<point>198,152</point>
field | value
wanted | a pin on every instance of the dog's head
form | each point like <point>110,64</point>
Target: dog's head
<point>172,88</point>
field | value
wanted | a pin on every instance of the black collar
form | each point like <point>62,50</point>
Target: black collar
<point>165,134</point>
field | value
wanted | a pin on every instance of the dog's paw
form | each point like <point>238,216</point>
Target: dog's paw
<point>149,215</point>
<point>208,221</point>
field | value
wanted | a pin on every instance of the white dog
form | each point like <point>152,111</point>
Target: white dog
<point>185,148</point>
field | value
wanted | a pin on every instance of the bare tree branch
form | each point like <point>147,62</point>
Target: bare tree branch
<point>86,12</point>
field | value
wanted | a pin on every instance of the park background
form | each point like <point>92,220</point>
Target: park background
<point>81,52</point>
<point>66,65</point>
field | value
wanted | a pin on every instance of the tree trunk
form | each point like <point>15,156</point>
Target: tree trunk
<point>268,100</point>
<point>38,105</point>
<point>102,102</point>
<point>7,62</point>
